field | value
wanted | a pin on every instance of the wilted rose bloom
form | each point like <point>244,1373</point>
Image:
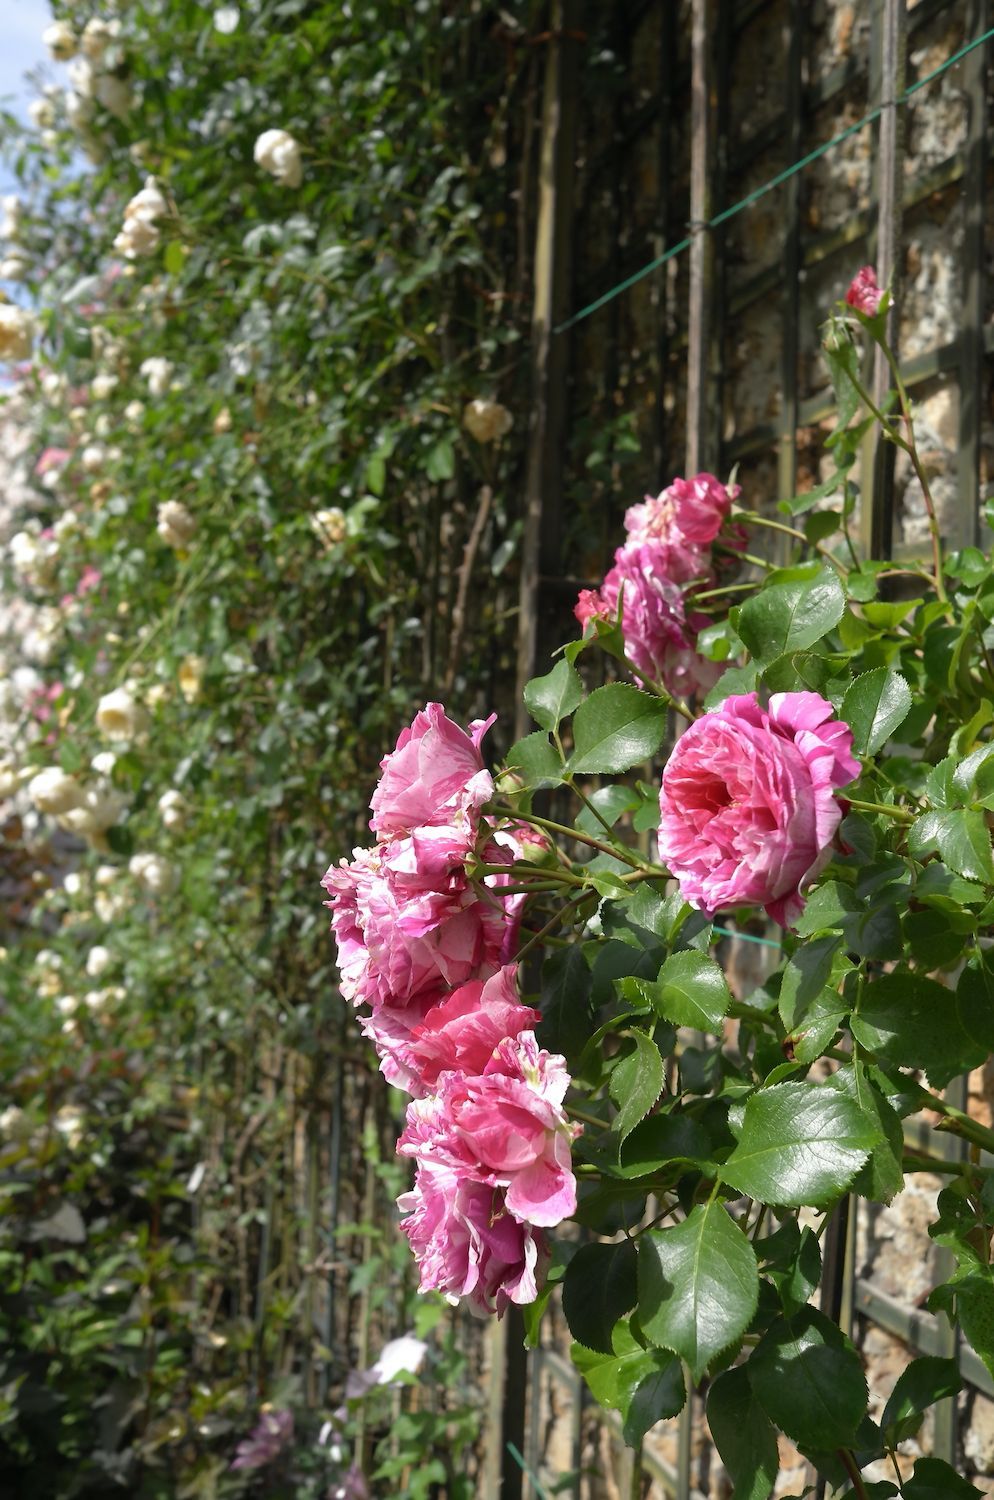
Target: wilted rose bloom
<point>747,805</point>
<point>99,810</point>
<point>658,636</point>
<point>114,94</point>
<point>222,422</point>
<point>17,331</point>
<point>504,1127</point>
<point>329,526</point>
<point>191,677</point>
<point>176,525</point>
<point>434,775</point>
<point>158,372</point>
<point>407,921</point>
<point>154,873</point>
<point>486,421</point>
<point>687,511</point>
<point>864,294</point>
<point>466,1242</point>
<point>269,1437</point>
<point>120,716</point>
<point>54,791</point>
<point>60,40</point>
<point>173,810</point>
<point>277,152</point>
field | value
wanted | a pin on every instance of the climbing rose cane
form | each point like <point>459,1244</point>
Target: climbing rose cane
<point>747,805</point>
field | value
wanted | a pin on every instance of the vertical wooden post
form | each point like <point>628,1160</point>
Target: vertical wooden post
<point>790,306</point>
<point>890,46</point>
<point>701,249</point>
<point>667,50</point>
<point>549,365</point>
<point>971,351</point>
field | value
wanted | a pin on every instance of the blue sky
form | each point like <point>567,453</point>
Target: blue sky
<point>23,23</point>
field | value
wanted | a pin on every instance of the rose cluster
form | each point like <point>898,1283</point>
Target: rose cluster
<point>670,545</point>
<point>424,941</point>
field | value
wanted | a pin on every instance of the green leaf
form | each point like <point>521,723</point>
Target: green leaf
<point>565,1002</point>
<point>808,1379</point>
<point>743,1435</point>
<point>734,680</point>
<point>791,614</point>
<point>925,1381</point>
<point>691,991</point>
<point>912,1021</point>
<point>661,1139</point>
<point>441,462</point>
<point>611,802</point>
<point>636,1083</point>
<point>874,706</point>
<point>549,699</point>
<point>536,760</point>
<point>615,728</point>
<point>961,837</point>
<point>800,1143</point>
<point>599,1287</point>
<point>975,1000</point>
<point>644,1385</point>
<point>935,1480</point>
<point>698,1285</point>
<point>175,257</point>
<point>806,975</point>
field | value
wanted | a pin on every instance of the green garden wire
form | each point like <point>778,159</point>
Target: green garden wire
<point>774,182</point>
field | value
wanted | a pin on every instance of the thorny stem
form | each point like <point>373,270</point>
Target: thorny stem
<point>657,689</point>
<point>912,449</point>
<point>899,814</point>
<point>553,922</point>
<point>616,851</point>
<point>754,519</point>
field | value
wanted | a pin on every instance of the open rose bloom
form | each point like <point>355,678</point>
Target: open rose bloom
<point>747,802</point>
<point>424,946</point>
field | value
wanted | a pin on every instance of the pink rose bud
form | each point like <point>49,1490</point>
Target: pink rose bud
<point>434,775</point>
<point>864,294</point>
<point>747,805</point>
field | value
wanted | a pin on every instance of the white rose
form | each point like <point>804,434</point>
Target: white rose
<point>82,78</point>
<point>277,152</point>
<point>97,37</point>
<point>158,372</point>
<point>54,791</point>
<point>69,1124</point>
<point>97,960</point>
<point>175,524</point>
<point>329,526</point>
<point>137,238</point>
<point>155,874</point>
<point>17,331</point>
<point>99,811</point>
<point>120,716</point>
<point>93,457</point>
<point>103,385</point>
<point>60,39</point>
<point>114,94</point>
<point>14,267</point>
<point>73,883</point>
<point>79,110</point>
<point>133,413</point>
<point>41,113</point>
<point>486,421</point>
<point>191,677</point>
<point>54,386</point>
<point>10,779</point>
<point>104,762</point>
<point>173,810</point>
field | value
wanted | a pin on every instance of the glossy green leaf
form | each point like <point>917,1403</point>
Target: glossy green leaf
<point>960,836</point>
<point>636,1083</point>
<point>925,1381</point>
<point>800,1143</point>
<point>662,1139</point>
<point>975,999</point>
<point>877,703</point>
<point>809,1380</point>
<point>698,1285</point>
<point>912,1021</point>
<point>565,1002</point>
<point>743,1435</point>
<point>616,728</point>
<point>933,1479</point>
<point>599,1287</point>
<point>551,698</point>
<point>536,760</point>
<point>793,614</point>
<point>691,990</point>
<point>644,1385</point>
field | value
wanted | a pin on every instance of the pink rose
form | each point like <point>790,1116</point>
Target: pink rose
<point>687,511</point>
<point>864,294</point>
<point>435,775</point>
<point>461,1032</point>
<point>747,805</point>
<point>658,637</point>
<point>408,921</point>
<point>505,1127</point>
<point>467,1244</point>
